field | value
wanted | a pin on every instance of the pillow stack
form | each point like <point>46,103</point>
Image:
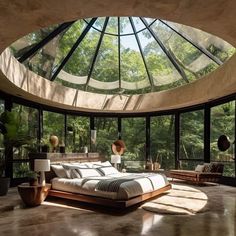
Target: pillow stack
<point>84,170</point>
<point>210,168</point>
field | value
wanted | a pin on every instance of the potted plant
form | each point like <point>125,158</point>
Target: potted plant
<point>33,178</point>
<point>4,181</point>
<point>13,137</point>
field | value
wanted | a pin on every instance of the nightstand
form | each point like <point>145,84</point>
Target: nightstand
<point>33,195</point>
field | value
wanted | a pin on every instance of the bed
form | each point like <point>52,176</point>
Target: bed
<point>97,182</point>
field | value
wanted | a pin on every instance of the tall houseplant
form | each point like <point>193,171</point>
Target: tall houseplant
<point>13,137</point>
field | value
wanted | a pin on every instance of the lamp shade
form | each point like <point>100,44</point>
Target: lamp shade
<point>116,159</point>
<point>41,165</point>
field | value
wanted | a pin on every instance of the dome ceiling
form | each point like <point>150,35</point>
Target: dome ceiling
<point>121,55</point>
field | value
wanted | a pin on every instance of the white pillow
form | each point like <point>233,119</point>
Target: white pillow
<point>108,170</point>
<point>59,171</point>
<point>199,168</point>
<point>71,171</point>
<point>91,163</point>
<point>106,163</point>
<point>88,172</point>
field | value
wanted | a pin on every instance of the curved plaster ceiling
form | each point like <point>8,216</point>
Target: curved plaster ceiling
<point>16,78</point>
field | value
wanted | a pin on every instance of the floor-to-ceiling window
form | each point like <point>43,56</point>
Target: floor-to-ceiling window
<point>26,134</point>
<point>134,135</point>
<point>78,133</point>
<point>191,149</point>
<point>223,122</point>
<point>1,137</point>
<point>107,133</point>
<point>162,141</point>
<point>53,124</point>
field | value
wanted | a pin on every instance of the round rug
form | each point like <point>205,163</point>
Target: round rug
<point>180,200</point>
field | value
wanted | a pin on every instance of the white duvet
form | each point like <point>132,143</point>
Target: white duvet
<point>126,190</point>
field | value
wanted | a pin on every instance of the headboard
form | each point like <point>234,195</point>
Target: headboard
<point>57,158</point>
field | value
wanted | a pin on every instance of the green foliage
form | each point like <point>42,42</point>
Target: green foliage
<point>31,174</point>
<point>14,136</point>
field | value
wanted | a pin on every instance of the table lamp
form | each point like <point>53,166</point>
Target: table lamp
<point>115,159</point>
<point>42,165</point>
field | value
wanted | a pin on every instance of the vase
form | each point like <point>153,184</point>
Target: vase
<point>54,142</point>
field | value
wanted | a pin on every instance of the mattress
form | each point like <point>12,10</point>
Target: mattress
<point>134,185</point>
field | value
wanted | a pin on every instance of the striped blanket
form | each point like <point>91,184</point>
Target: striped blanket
<point>113,184</point>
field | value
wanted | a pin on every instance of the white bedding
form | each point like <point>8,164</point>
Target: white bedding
<point>127,189</point>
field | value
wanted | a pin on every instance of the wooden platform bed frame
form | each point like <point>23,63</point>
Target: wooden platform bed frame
<point>107,201</point>
<point>99,200</point>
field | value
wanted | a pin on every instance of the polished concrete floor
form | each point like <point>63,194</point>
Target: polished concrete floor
<point>59,217</point>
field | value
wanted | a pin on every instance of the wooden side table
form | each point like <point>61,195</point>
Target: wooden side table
<point>33,195</point>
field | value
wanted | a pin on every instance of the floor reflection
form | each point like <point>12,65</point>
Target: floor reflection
<point>55,218</point>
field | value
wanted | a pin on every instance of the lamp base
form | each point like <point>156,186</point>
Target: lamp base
<point>42,178</point>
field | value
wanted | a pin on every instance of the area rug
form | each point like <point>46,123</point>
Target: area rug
<point>180,200</point>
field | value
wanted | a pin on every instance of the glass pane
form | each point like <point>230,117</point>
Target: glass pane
<point>25,43</point>
<point>20,170</point>
<point>192,135</point>
<point>80,61</point>
<point>78,135</point>
<point>1,136</point>
<point>223,122</point>
<point>216,46</point>
<point>125,26</point>
<point>107,133</point>
<point>53,124</point>
<point>160,67</point>
<point>185,54</point>
<point>99,23</point>
<point>67,41</point>
<point>106,66</point>
<point>132,65</point>
<point>162,140</point>
<point>138,23</point>
<point>134,136</point>
<point>42,62</point>
<point>189,165</point>
<point>112,26</point>
<point>27,118</point>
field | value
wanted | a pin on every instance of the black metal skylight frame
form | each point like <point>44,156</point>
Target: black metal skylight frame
<point>44,41</point>
<point>165,50</point>
<point>201,49</point>
<point>119,34</point>
<point>141,52</point>
<point>73,48</point>
<point>96,52</point>
<point>90,25</point>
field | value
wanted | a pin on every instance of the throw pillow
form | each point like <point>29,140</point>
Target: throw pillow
<point>199,168</point>
<point>207,167</point>
<point>59,171</point>
<point>71,171</point>
<point>106,163</point>
<point>108,170</point>
<point>88,172</point>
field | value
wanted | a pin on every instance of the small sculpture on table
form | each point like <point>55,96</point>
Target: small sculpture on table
<point>54,142</point>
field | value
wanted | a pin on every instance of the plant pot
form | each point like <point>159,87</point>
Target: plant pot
<point>33,182</point>
<point>45,148</point>
<point>62,149</point>
<point>4,185</point>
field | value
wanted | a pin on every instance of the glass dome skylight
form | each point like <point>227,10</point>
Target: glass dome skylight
<point>114,55</point>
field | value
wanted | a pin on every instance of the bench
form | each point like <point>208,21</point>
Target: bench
<point>212,172</point>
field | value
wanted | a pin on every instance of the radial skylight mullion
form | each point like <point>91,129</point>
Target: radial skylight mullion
<point>118,23</point>
<point>141,51</point>
<point>165,50</point>
<point>96,52</point>
<point>44,41</point>
<point>81,37</point>
<point>203,50</point>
